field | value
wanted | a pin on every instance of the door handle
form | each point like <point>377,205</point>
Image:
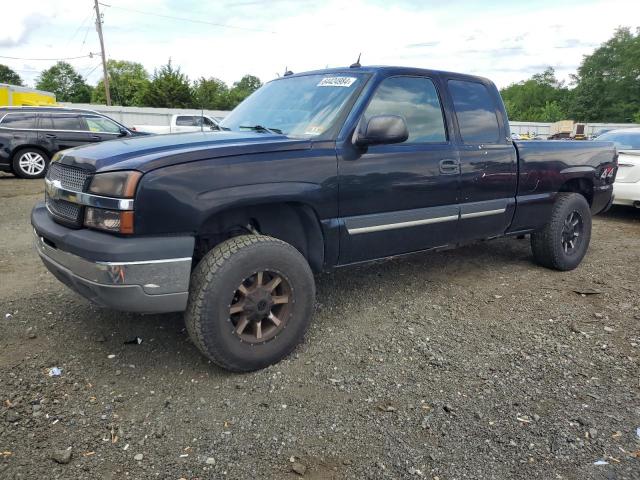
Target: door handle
<point>449,167</point>
<point>49,135</point>
<point>95,137</point>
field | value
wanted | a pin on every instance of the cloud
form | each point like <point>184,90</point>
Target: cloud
<point>501,40</point>
<point>16,33</point>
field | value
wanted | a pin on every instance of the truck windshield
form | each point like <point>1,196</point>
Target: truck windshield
<point>303,107</point>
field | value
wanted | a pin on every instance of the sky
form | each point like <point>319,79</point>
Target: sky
<point>507,41</point>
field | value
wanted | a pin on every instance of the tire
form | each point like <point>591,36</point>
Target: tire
<point>30,163</point>
<point>552,246</point>
<point>226,298</point>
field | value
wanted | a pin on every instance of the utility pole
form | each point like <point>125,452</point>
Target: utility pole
<point>104,60</point>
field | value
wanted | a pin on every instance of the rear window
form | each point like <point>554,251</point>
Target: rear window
<point>475,111</point>
<point>19,120</point>
<point>67,122</point>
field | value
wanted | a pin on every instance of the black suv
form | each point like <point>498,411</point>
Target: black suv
<point>30,136</point>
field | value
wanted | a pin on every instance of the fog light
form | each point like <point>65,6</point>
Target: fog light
<point>109,220</point>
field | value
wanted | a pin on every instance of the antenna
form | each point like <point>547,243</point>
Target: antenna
<point>357,64</point>
<point>287,72</point>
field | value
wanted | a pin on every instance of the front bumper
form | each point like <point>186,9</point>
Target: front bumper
<point>146,275</point>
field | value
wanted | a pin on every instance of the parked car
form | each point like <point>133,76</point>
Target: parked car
<point>30,136</point>
<point>312,171</point>
<point>182,123</point>
<point>626,189</point>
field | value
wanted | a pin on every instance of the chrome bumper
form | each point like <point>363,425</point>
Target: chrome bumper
<point>150,286</point>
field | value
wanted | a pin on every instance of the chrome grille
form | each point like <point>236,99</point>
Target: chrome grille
<point>66,211</point>
<point>72,178</point>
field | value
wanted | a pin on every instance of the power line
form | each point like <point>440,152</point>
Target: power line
<point>183,19</point>
<point>49,59</point>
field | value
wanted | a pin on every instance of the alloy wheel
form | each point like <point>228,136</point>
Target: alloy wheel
<point>572,230</point>
<point>261,307</point>
<point>32,163</point>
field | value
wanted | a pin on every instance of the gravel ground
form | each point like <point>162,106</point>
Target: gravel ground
<point>471,363</point>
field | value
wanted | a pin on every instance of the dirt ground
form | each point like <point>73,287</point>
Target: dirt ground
<point>471,363</point>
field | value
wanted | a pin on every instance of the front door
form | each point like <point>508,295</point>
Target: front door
<point>488,159</point>
<point>400,198</point>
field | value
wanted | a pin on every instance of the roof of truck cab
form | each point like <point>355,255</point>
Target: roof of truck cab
<point>389,69</point>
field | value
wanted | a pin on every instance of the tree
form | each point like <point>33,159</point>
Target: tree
<point>7,75</point>
<point>211,93</point>
<point>65,82</point>
<point>128,82</point>
<point>608,80</point>
<point>242,89</point>
<point>542,98</point>
<point>169,88</point>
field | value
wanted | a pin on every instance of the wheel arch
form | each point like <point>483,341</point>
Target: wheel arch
<point>294,222</point>
<point>581,185</point>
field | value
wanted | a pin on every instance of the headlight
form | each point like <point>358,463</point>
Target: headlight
<point>115,184</point>
<point>112,184</point>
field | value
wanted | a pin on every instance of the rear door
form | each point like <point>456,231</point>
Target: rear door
<point>402,197</point>
<point>488,160</point>
<point>59,131</point>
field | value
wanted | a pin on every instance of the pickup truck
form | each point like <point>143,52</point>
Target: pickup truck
<point>181,122</point>
<point>313,171</point>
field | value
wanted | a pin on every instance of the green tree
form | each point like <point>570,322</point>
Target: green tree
<point>128,82</point>
<point>65,82</point>
<point>542,98</point>
<point>608,80</point>
<point>169,88</point>
<point>211,93</point>
<point>242,89</point>
<point>7,75</point>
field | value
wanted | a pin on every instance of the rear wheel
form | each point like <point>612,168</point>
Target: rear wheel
<point>30,163</point>
<point>250,302</point>
<point>564,241</point>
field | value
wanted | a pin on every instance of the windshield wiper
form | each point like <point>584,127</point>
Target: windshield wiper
<point>260,128</point>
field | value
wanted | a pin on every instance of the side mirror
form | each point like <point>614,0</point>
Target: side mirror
<point>383,129</point>
<point>124,132</point>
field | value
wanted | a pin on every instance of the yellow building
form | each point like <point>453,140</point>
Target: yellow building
<point>12,95</point>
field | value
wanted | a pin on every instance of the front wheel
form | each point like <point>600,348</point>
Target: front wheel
<point>563,242</point>
<point>30,163</point>
<point>250,302</point>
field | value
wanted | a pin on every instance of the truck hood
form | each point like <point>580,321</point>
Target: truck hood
<point>147,153</point>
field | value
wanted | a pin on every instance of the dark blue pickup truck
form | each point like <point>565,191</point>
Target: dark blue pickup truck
<point>312,171</point>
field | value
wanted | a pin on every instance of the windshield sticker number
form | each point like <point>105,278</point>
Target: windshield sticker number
<point>313,130</point>
<point>337,82</point>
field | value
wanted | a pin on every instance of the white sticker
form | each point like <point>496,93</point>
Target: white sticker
<point>337,82</point>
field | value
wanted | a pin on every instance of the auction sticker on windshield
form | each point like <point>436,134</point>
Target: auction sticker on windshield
<point>337,82</point>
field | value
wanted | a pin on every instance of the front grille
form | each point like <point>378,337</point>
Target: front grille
<point>66,211</point>
<point>72,178</point>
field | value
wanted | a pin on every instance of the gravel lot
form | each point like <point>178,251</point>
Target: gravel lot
<point>472,363</point>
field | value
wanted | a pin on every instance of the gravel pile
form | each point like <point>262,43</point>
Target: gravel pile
<point>471,363</point>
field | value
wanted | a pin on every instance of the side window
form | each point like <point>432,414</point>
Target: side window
<point>101,124</point>
<point>416,100</point>
<point>186,121</point>
<point>475,111</point>
<point>66,122</point>
<point>19,120</point>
